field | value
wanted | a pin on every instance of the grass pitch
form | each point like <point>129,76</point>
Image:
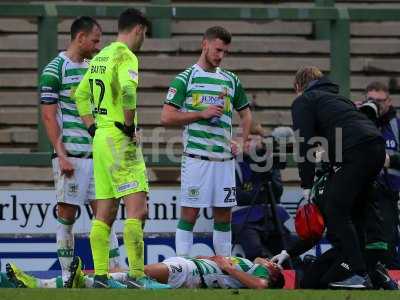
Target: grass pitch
<point>185,294</point>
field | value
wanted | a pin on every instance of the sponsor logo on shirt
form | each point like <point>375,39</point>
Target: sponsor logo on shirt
<point>128,186</point>
<point>171,93</point>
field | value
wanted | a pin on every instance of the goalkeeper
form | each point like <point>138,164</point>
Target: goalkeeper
<point>109,87</point>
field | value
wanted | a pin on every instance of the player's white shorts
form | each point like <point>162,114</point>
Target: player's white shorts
<point>206,183</point>
<point>79,188</point>
<point>182,273</point>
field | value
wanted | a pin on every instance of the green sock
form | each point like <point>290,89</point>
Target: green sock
<point>100,244</point>
<point>134,246</point>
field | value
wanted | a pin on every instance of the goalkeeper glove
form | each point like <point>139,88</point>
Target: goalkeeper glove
<point>92,130</point>
<point>129,131</point>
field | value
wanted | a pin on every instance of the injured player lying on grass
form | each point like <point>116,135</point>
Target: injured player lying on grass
<point>174,272</point>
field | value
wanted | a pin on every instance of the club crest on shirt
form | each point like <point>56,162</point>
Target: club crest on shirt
<point>193,192</point>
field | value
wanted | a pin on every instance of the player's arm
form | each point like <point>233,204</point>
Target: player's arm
<point>83,96</point>
<point>241,105</point>
<point>248,280</point>
<point>172,115</point>
<point>49,97</point>
<point>128,79</point>
<point>246,120</point>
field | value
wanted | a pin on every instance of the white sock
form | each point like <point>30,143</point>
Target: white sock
<point>114,262</point>
<point>65,246</point>
<point>183,238</point>
<point>222,241</point>
<point>183,242</point>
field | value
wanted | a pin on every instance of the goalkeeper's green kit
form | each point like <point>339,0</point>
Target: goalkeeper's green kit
<point>109,88</point>
<point>110,83</point>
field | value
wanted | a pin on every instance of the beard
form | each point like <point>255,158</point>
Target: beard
<point>210,61</point>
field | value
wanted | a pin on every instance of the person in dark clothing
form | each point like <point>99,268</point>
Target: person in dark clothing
<point>331,266</point>
<point>253,223</point>
<point>355,150</point>
<point>389,179</point>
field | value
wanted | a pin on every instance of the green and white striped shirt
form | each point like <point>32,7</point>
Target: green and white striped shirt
<point>214,277</point>
<point>58,82</point>
<point>194,90</point>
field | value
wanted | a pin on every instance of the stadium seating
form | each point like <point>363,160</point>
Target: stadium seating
<point>265,55</point>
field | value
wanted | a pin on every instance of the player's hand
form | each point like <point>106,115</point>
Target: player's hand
<point>129,131</point>
<point>225,264</point>
<point>236,147</point>
<point>66,167</point>
<point>92,130</point>
<point>280,258</point>
<point>212,111</point>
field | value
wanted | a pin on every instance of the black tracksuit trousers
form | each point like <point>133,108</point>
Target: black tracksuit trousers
<point>349,202</point>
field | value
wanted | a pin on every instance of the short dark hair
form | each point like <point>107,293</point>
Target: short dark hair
<point>218,32</point>
<point>377,86</point>
<point>277,281</point>
<point>83,24</point>
<point>131,17</point>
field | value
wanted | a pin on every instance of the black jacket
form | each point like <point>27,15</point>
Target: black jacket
<point>319,112</point>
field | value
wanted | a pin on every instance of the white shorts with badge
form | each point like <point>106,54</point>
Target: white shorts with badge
<point>182,273</point>
<point>79,188</point>
<point>206,183</point>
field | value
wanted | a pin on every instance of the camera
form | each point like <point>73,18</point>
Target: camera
<point>371,109</point>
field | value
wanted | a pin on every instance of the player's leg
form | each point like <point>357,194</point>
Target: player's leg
<point>104,164</point>
<point>68,194</point>
<point>129,182</point>
<point>184,230</point>
<point>114,254</point>
<point>222,234</point>
<point>20,279</point>
<point>100,234</point>
<point>136,210</point>
<point>224,198</point>
<point>195,194</point>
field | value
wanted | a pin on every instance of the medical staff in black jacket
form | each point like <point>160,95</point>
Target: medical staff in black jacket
<point>354,148</point>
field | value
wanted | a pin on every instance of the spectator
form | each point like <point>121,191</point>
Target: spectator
<point>253,224</point>
<point>389,179</point>
<point>356,151</point>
